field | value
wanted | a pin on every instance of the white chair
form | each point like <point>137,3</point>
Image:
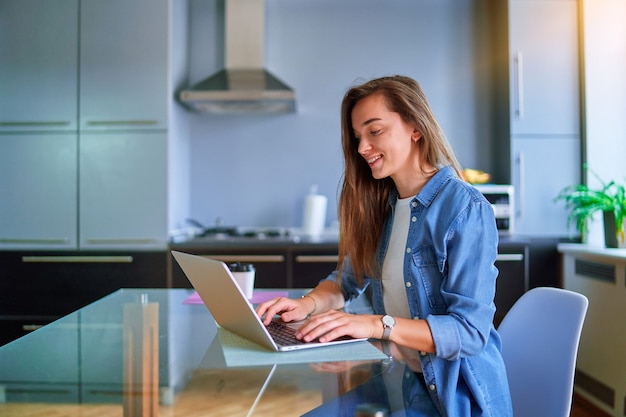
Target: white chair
<point>540,336</point>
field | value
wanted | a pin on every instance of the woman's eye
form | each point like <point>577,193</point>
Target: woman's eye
<point>375,132</point>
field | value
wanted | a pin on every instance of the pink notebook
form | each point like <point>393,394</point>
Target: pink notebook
<point>257,297</point>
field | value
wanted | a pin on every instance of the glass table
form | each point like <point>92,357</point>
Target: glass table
<point>150,352</point>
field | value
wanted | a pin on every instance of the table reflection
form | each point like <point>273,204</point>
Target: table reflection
<point>80,357</point>
<point>141,358</point>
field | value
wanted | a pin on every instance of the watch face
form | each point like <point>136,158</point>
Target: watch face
<point>388,321</point>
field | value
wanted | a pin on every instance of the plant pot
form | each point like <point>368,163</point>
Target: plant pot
<point>612,237</point>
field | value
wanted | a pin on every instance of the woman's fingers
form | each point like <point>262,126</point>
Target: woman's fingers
<point>288,309</point>
<point>334,324</point>
<point>268,309</point>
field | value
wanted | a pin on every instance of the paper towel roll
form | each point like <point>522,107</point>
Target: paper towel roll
<point>314,217</point>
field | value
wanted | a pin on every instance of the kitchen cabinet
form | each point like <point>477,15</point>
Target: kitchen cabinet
<point>89,191</point>
<point>544,264</point>
<point>533,160</point>
<point>302,265</point>
<point>87,96</point>
<point>38,181</point>
<point>38,52</point>
<point>38,287</point>
<point>38,121</point>
<point>83,124</point>
<point>123,190</point>
<point>513,279</point>
<point>111,57</point>
<point>545,86</point>
<point>537,109</point>
<point>123,64</point>
<point>310,266</point>
<point>278,264</point>
<point>270,263</point>
<point>123,100</point>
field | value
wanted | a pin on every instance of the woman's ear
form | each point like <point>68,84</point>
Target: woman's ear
<point>417,135</point>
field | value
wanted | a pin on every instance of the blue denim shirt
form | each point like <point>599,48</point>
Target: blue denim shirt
<point>450,281</point>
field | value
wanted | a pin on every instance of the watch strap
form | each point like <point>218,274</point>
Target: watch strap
<point>386,332</point>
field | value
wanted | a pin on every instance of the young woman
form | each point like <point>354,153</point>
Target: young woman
<point>423,240</point>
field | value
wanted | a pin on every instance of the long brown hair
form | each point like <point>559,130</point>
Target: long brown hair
<point>364,201</point>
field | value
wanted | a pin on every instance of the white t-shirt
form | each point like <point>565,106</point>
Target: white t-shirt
<point>394,292</point>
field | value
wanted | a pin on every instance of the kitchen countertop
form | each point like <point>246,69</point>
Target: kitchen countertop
<point>593,251</point>
<point>251,243</point>
<point>297,242</point>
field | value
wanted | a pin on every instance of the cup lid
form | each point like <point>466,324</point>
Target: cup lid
<point>240,267</point>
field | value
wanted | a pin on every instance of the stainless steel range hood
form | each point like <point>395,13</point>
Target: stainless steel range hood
<point>244,86</point>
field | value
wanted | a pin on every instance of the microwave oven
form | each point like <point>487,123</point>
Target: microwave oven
<point>501,199</point>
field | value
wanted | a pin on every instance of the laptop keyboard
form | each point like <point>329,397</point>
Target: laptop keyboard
<point>283,334</point>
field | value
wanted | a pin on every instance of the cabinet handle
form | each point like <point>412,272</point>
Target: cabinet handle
<point>34,123</point>
<point>510,257</point>
<point>78,259</point>
<point>247,258</point>
<point>521,192</point>
<point>136,241</point>
<point>32,327</point>
<point>46,391</point>
<point>122,122</point>
<point>59,241</point>
<point>317,258</point>
<point>519,65</point>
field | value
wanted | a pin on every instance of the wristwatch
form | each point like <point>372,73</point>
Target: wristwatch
<point>388,323</point>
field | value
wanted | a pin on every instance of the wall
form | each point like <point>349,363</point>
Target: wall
<point>179,151</point>
<point>256,170</point>
<point>605,82</point>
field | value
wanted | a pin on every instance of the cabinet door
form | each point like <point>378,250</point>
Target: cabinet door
<point>123,59</point>
<point>38,183</point>
<point>512,263</point>
<point>312,266</point>
<point>37,287</point>
<point>14,328</point>
<point>54,283</point>
<point>270,264</point>
<point>39,65</point>
<point>544,67</point>
<point>123,190</point>
<point>541,168</point>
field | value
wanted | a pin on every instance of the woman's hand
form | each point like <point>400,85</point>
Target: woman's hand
<point>288,309</point>
<point>334,324</point>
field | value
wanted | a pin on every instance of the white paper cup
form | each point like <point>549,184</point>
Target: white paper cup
<point>244,276</point>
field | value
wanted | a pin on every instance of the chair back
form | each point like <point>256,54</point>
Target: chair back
<point>540,336</point>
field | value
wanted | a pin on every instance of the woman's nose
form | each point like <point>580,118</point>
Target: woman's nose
<point>364,146</point>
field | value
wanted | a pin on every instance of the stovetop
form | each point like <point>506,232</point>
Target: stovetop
<point>232,235</point>
<point>236,233</point>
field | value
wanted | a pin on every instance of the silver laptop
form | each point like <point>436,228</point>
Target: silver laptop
<point>219,291</point>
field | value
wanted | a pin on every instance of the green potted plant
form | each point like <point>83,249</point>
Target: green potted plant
<point>584,202</point>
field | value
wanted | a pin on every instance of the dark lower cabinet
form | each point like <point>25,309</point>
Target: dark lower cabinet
<point>310,266</point>
<point>270,265</point>
<point>304,265</point>
<point>512,263</point>
<point>277,266</point>
<point>13,327</point>
<point>525,264</point>
<point>39,287</point>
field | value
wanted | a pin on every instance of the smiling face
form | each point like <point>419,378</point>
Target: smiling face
<point>386,142</point>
